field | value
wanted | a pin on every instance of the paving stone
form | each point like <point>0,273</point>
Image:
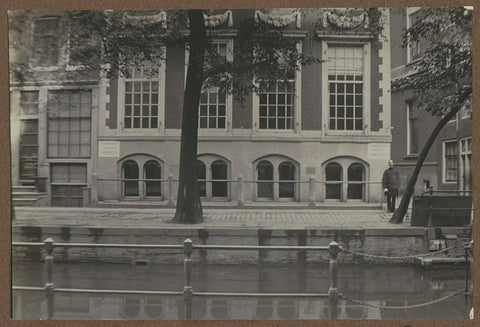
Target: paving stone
<point>147,218</point>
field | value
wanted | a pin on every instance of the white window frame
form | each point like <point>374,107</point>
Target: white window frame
<point>161,105</point>
<point>91,126</point>
<point>410,12</point>
<point>366,88</point>
<point>61,47</point>
<point>276,161</point>
<point>229,99</point>
<point>297,108</point>
<point>208,160</point>
<point>444,162</point>
<point>464,161</point>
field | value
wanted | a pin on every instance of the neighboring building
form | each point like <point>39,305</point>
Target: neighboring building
<point>448,165</point>
<point>84,138</point>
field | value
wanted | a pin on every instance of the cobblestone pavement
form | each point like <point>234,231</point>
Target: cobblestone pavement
<point>150,218</point>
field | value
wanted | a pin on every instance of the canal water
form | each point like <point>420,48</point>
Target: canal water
<point>379,286</point>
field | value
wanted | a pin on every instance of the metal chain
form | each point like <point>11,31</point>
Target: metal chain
<point>399,257</point>
<point>402,307</point>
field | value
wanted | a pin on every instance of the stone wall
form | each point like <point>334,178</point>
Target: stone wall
<point>381,242</point>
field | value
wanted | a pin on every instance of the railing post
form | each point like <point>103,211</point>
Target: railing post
<point>49,245</point>
<point>429,210</point>
<point>170,190</point>
<point>240,191</point>
<point>311,194</point>
<point>333,249</point>
<point>468,247</point>
<point>187,267</point>
<point>95,187</point>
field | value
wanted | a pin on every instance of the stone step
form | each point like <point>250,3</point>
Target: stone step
<point>23,188</point>
<point>23,195</point>
<point>24,202</point>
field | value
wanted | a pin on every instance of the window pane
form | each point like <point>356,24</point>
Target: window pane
<point>29,102</point>
<point>153,122</point>
<point>272,105</point>
<point>347,62</point>
<point>221,122</point>
<point>67,131</point>
<point>142,90</point>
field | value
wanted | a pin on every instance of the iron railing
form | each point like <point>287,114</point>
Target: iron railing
<point>431,209</point>
<point>188,293</point>
<point>168,188</point>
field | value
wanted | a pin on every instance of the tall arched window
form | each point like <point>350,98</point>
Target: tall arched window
<point>286,172</point>
<point>265,173</point>
<point>356,173</point>
<point>333,173</point>
<point>130,171</point>
<point>202,176</point>
<point>153,170</point>
<point>219,172</point>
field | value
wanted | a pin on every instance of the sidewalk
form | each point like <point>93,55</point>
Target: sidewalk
<point>241,218</point>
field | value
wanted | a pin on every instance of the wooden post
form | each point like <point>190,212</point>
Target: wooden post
<point>240,191</point>
<point>333,250</point>
<point>187,268</point>
<point>429,210</point>
<point>49,245</point>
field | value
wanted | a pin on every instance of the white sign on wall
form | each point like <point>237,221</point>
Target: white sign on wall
<point>379,151</point>
<point>109,149</point>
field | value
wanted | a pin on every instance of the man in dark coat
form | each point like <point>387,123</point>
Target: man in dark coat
<point>391,184</point>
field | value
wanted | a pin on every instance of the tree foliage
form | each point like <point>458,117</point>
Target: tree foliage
<point>133,38</point>
<point>441,79</point>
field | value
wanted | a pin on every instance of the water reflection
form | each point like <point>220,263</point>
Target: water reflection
<point>380,286</point>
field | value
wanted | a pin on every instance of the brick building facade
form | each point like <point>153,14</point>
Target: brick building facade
<point>82,138</point>
<point>448,165</point>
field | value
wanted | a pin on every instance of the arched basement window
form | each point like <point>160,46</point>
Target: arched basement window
<point>153,170</point>
<point>265,173</point>
<point>202,176</point>
<point>286,172</point>
<point>129,172</point>
<point>356,173</point>
<point>333,173</point>
<point>219,172</point>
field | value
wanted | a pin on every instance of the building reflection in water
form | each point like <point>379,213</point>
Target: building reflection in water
<point>28,307</point>
<point>388,286</point>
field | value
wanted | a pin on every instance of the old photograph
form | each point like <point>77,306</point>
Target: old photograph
<point>241,164</point>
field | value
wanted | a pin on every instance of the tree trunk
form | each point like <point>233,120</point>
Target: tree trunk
<point>399,214</point>
<point>189,207</point>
